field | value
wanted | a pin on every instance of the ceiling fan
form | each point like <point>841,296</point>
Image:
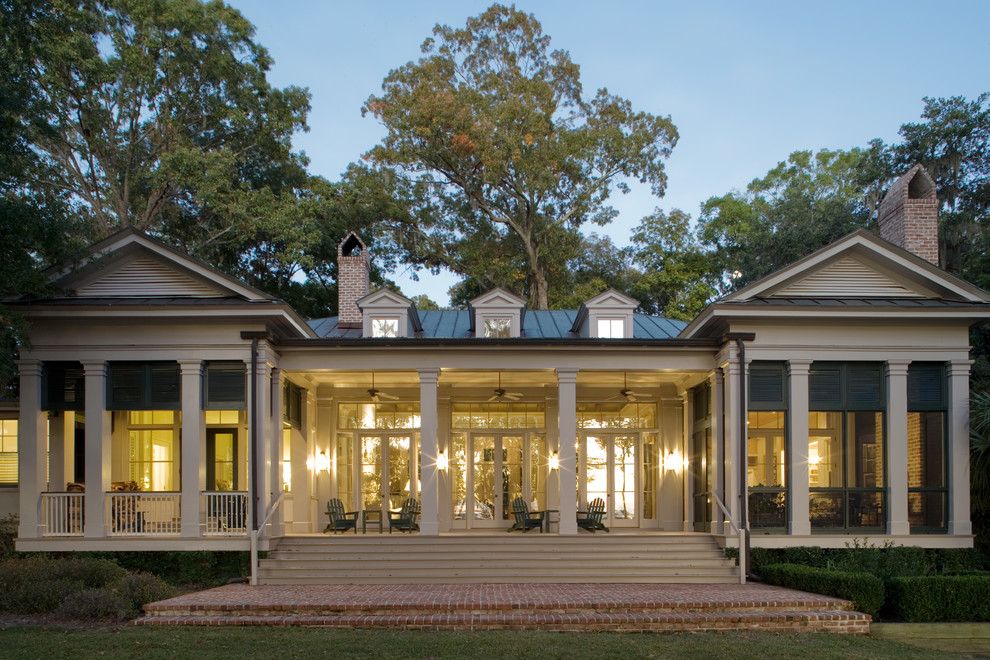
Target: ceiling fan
<point>500,392</point>
<point>625,392</point>
<point>376,394</point>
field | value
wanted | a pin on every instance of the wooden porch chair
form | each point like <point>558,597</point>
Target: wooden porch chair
<point>526,519</point>
<point>340,521</point>
<point>404,519</point>
<point>591,519</point>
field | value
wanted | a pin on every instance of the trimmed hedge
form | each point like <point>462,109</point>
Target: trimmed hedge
<point>940,598</point>
<point>863,589</point>
<point>885,561</point>
<point>200,567</point>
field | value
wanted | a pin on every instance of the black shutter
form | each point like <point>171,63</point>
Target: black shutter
<point>225,386</point>
<point>64,386</point>
<point>126,386</point>
<point>292,404</point>
<point>766,387</point>
<point>864,387</point>
<point>164,389</point>
<point>926,386</point>
<point>825,387</point>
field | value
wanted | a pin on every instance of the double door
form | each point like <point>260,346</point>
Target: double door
<point>388,466</point>
<point>612,467</point>
<point>500,468</point>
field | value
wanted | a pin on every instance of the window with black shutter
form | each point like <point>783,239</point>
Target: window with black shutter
<point>63,386</point>
<point>292,404</point>
<point>927,448</point>
<point>767,386</point>
<point>846,386</point>
<point>144,386</point>
<point>225,386</point>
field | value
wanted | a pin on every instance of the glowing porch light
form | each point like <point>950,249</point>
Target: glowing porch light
<point>442,461</point>
<point>322,462</point>
<point>554,461</point>
<point>673,461</point>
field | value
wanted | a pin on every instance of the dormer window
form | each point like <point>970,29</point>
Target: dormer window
<point>499,327</point>
<point>611,328</point>
<point>385,327</point>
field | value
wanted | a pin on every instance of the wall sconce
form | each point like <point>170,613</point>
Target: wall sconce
<point>442,461</point>
<point>554,461</point>
<point>322,462</point>
<point>672,461</point>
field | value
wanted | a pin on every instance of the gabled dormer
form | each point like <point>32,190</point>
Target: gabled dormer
<point>609,315</point>
<point>497,314</point>
<point>386,315</point>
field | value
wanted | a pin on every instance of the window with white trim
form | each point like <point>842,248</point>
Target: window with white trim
<point>611,328</point>
<point>385,327</point>
<point>499,327</point>
<point>8,451</point>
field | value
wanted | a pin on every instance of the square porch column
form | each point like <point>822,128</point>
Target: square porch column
<point>274,428</point>
<point>566,454</point>
<point>959,521</point>
<point>61,449</point>
<point>430,494</point>
<point>193,480</point>
<point>98,449</point>
<point>798,475</point>
<point>717,525</point>
<point>31,446</point>
<point>897,454</point>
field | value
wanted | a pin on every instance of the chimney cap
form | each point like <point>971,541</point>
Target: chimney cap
<point>351,243</point>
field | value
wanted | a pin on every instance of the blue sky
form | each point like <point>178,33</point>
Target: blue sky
<point>746,83</point>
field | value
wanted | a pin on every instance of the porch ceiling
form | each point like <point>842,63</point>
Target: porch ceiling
<point>490,378</point>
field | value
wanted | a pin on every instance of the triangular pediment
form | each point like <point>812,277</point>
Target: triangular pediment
<point>857,266</point>
<point>130,264</point>
<point>611,298</point>
<point>383,298</point>
<point>497,298</point>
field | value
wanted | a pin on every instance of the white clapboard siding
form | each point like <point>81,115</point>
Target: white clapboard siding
<point>146,277</point>
<point>847,278</point>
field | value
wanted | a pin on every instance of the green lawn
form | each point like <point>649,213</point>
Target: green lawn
<point>245,643</point>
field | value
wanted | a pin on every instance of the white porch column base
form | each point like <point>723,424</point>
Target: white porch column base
<point>897,454</point>
<point>31,457</point>
<point>567,456</point>
<point>430,496</point>
<point>98,449</point>
<point>959,521</point>
<point>798,522</point>
<point>193,480</point>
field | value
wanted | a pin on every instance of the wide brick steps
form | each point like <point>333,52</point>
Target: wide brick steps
<point>555,607</point>
<point>377,559</point>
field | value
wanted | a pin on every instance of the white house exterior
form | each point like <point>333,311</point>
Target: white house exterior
<point>164,405</point>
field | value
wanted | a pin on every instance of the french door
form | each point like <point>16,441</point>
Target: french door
<point>611,470</point>
<point>388,465</point>
<point>499,467</point>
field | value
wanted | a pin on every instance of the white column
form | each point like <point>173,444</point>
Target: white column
<point>897,449</point>
<point>444,484</point>
<point>61,449</point>
<point>670,492</point>
<point>193,481</point>
<point>31,455</point>
<point>719,440</point>
<point>325,481</point>
<point>302,459</point>
<point>258,425</point>
<point>567,426</point>
<point>687,497</point>
<point>430,494</point>
<point>959,522</point>
<point>273,431</point>
<point>798,522</point>
<point>98,449</point>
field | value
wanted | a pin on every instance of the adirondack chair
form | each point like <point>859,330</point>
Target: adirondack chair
<point>591,519</point>
<point>526,520</point>
<point>404,519</point>
<point>340,521</point>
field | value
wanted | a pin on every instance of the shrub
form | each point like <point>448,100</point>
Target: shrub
<point>863,589</point>
<point>95,604</point>
<point>885,561</point>
<point>940,598</point>
<point>137,589</point>
<point>8,532</point>
<point>185,567</point>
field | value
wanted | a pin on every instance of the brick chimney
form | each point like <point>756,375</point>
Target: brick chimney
<point>908,214</point>
<point>353,266</point>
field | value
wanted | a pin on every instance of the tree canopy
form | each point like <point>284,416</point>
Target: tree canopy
<point>507,153</point>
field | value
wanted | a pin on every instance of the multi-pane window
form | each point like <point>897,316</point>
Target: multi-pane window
<point>926,448</point>
<point>498,328</point>
<point>765,446</point>
<point>846,447</point>
<point>385,327</point>
<point>611,328</point>
<point>8,451</point>
<point>153,452</point>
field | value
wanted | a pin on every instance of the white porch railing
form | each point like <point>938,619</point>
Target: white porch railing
<point>62,514</point>
<point>739,530</point>
<point>226,513</point>
<point>143,514</point>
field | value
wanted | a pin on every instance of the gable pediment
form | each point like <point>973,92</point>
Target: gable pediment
<point>497,298</point>
<point>611,298</point>
<point>383,298</point>
<point>848,277</point>
<point>144,277</point>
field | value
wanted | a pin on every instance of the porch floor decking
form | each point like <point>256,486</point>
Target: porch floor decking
<point>549,607</point>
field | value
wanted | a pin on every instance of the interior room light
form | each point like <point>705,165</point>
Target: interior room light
<point>554,461</point>
<point>442,461</point>
<point>813,457</point>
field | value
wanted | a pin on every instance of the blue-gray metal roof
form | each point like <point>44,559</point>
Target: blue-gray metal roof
<point>540,324</point>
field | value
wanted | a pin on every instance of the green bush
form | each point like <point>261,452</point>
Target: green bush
<point>140,588</point>
<point>940,598</point>
<point>207,568</point>
<point>95,604</point>
<point>884,561</point>
<point>8,532</point>
<point>863,589</point>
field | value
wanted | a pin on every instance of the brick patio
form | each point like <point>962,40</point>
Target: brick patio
<point>552,607</point>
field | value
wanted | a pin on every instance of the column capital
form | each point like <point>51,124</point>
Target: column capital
<point>190,367</point>
<point>29,367</point>
<point>719,376</point>
<point>94,367</point>
<point>896,367</point>
<point>567,375</point>
<point>798,367</point>
<point>959,367</point>
<point>427,376</point>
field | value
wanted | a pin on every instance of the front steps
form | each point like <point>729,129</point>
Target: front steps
<point>546,607</point>
<point>497,559</point>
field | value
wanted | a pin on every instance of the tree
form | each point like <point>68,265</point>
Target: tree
<point>799,206</point>
<point>493,129</point>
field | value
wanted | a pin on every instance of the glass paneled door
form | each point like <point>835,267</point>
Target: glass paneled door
<point>498,470</point>
<point>386,465</point>
<point>611,471</point>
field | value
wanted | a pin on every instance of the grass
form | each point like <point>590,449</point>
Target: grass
<point>283,643</point>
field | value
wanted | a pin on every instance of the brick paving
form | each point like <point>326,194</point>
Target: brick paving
<point>561,607</point>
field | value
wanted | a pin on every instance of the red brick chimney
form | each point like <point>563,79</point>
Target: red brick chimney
<point>353,266</point>
<point>908,214</point>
